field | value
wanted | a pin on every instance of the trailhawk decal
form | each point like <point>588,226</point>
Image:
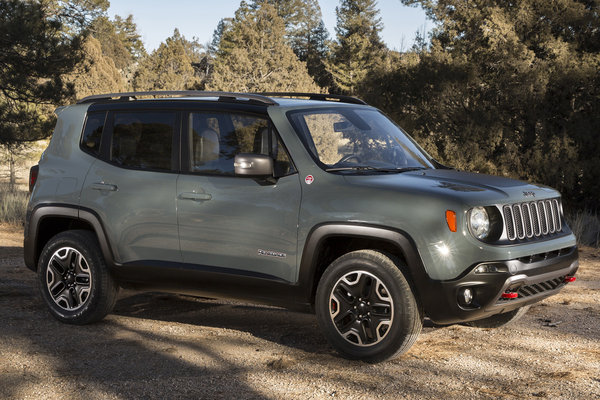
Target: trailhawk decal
<point>271,253</point>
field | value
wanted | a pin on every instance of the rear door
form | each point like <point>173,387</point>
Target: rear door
<point>239,225</point>
<point>132,187</point>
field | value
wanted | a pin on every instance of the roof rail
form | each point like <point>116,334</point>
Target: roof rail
<point>317,96</point>
<point>223,96</point>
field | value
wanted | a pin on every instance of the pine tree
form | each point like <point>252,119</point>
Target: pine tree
<point>359,48</point>
<point>317,52</point>
<point>305,33</point>
<point>171,66</point>
<point>96,73</point>
<point>508,88</point>
<point>126,30</point>
<point>301,19</point>
<point>35,54</point>
<point>254,57</point>
<point>104,30</point>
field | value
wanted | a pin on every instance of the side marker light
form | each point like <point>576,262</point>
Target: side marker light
<point>451,220</point>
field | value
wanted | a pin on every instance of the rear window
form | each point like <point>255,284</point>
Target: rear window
<point>143,140</point>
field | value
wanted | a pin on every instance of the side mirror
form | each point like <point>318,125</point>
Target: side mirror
<point>253,165</point>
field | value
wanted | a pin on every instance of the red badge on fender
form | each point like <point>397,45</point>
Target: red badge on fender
<point>309,179</point>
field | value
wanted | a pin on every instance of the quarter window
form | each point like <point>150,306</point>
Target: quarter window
<point>143,140</point>
<point>92,133</point>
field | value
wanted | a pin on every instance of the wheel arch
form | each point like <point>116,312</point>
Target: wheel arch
<point>328,241</point>
<point>47,220</point>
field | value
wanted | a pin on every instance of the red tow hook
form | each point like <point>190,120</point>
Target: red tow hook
<point>570,279</point>
<point>510,295</point>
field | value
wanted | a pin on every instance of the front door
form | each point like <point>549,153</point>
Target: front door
<point>235,224</point>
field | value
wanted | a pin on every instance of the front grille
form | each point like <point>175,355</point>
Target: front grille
<point>532,220</point>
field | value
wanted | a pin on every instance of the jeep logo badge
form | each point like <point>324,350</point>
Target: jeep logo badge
<point>529,194</point>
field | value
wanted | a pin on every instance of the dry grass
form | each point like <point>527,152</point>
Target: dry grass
<point>586,226</point>
<point>13,204</point>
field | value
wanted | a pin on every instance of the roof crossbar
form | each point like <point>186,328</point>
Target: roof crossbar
<point>223,96</point>
<point>317,96</point>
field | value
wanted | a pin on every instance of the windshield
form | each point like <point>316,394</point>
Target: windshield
<point>356,139</point>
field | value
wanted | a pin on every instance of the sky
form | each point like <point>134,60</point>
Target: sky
<point>156,19</point>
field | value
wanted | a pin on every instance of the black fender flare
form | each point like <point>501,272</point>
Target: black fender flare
<point>397,238</point>
<point>76,213</point>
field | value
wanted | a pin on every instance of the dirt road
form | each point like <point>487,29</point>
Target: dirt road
<point>165,346</point>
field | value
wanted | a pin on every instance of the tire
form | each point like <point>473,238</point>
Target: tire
<point>73,278</point>
<point>366,308</point>
<point>498,320</point>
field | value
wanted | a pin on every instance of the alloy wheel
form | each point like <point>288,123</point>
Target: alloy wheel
<point>68,278</point>
<point>361,308</point>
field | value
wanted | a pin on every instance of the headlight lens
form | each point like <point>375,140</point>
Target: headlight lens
<point>479,222</point>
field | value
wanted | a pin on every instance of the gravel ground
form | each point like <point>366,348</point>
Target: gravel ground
<point>159,346</point>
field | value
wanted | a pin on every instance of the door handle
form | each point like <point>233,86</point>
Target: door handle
<point>104,186</point>
<point>195,196</point>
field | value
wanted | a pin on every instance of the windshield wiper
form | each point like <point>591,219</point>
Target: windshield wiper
<point>352,168</point>
<point>374,169</point>
<point>400,170</point>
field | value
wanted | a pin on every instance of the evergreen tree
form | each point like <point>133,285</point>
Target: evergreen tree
<point>127,33</point>
<point>359,48</point>
<point>317,52</point>
<point>171,66</point>
<point>35,54</point>
<point>119,39</point>
<point>104,30</point>
<point>305,33</point>
<point>96,73</point>
<point>301,19</point>
<point>76,15</point>
<point>508,88</point>
<point>254,57</point>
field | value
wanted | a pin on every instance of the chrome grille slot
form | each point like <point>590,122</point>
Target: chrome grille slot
<point>519,221</point>
<point>543,219</point>
<point>549,217</point>
<point>527,218</point>
<point>556,215</point>
<point>532,220</point>
<point>535,220</point>
<point>509,222</point>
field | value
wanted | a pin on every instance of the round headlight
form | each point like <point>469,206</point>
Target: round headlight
<point>479,222</point>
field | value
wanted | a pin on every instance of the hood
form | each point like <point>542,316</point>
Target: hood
<point>466,187</point>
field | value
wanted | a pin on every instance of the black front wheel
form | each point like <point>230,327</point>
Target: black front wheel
<point>366,308</point>
<point>74,280</point>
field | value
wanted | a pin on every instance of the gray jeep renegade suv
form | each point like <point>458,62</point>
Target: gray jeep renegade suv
<point>298,200</point>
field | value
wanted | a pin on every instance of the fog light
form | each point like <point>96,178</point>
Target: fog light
<point>485,268</point>
<point>467,296</point>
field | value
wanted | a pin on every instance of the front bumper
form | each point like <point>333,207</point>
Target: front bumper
<point>515,283</point>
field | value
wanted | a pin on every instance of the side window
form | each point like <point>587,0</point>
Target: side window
<point>92,133</point>
<point>216,138</point>
<point>143,139</point>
